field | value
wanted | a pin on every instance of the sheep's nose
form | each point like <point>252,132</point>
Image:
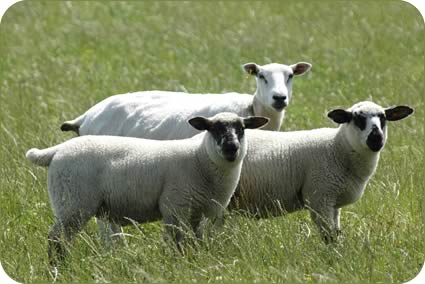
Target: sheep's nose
<point>279,98</point>
<point>375,140</point>
<point>279,102</point>
<point>230,150</point>
<point>230,146</point>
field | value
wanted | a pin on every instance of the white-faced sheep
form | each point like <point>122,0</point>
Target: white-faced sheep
<point>121,178</point>
<point>162,115</point>
<point>321,169</point>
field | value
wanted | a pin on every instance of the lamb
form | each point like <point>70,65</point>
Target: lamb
<point>162,115</point>
<point>121,179</point>
<point>321,170</point>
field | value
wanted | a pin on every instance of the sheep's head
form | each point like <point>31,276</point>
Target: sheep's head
<point>274,82</point>
<point>227,131</point>
<point>365,123</point>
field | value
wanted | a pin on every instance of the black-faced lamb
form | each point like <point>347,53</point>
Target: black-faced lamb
<point>121,179</point>
<point>321,170</point>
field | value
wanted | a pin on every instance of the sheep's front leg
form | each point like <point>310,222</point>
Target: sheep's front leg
<point>195,223</point>
<point>219,220</point>
<point>337,216</point>
<point>324,218</point>
<point>173,230</point>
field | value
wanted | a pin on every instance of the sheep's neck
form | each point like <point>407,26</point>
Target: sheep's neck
<point>363,165</point>
<point>218,177</point>
<point>275,117</point>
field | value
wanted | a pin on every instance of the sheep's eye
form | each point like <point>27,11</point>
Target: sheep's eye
<point>382,119</point>
<point>240,132</point>
<point>290,76</point>
<point>261,76</point>
<point>360,121</point>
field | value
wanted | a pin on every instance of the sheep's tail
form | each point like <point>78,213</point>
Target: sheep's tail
<point>73,125</point>
<point>41,157</point>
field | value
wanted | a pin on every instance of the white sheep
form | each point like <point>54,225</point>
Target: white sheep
<point>121,178</point>
<point>321,170</point>
<point>162,115</point>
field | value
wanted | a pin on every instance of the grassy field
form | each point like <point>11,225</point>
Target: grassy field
<point>58,59</point>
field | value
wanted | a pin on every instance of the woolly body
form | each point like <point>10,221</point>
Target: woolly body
<point>158,115</point>
<point>320,169</point>
<point>135,178</point>
<point>288,170</point>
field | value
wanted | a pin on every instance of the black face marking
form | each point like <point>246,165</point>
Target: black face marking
<point>382,119</point>
<point>261,76</point>
<point>222,132</point>
<point>359,121</point>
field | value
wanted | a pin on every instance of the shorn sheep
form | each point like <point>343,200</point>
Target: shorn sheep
<point>121,179</point>
<point>162,115</point>
<point>321,170</point>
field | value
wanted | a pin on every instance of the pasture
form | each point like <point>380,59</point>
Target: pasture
<point>59,58</point>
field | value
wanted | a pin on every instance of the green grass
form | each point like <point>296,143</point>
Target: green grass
<point>57,59</point>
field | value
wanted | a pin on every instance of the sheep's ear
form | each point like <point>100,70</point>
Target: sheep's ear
<point>251,68</point>
<point>200,123</point>
<point>398,112</point>
<point>301,68</point>
<point>340,116</point>
<point>253,122</point>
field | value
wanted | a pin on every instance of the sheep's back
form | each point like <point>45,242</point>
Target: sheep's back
<point>159,115</point>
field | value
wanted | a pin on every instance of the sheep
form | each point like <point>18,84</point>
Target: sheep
<point>162,115</point>
<point>121,179</point>
<point>320,170</point>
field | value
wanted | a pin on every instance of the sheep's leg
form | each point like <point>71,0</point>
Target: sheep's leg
<point>69,227</point>
<point>115,228</point>
<point>173,231</point>
<point>56,250</point>
<point>337,216</point>
<point>217,225</point>
<point>104,231</point>
<point>324,218</point>
<point>196,227</point>
<point>219,220</point>
<point>107,230</point>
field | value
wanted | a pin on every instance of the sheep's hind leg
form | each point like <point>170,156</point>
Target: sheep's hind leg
<point>56,249</point>
<point>109,232</point>
<point>69,227</point>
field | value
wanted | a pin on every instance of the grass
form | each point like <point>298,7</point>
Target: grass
<point>59,58</point>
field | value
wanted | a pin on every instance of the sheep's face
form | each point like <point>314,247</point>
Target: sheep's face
<point>274,82</point>
<point>227,131</point>
<point>366,124</point>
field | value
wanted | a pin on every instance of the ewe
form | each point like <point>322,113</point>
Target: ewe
<point>162,115</point>
<point>119,178</point>
<point>321,170</point>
